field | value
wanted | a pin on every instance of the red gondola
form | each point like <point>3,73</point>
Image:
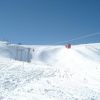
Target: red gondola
<point>68,46</point>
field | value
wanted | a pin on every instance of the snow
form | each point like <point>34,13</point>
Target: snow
<point>49,72</point>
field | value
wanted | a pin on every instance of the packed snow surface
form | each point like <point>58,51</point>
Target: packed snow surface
<point>43,72</point>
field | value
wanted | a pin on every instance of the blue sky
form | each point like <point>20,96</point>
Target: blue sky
<point>49,21</point>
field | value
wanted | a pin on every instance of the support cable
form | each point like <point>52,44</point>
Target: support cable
<point>78,38</point>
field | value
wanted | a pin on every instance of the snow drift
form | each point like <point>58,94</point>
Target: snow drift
<point>42,72</point>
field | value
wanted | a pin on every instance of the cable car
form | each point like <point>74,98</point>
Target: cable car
<point>68,46</point>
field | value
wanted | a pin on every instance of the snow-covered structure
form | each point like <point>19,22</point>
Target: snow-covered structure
<point>15,52</point>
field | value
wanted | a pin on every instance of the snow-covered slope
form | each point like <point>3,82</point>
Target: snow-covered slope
<point>42,72</point>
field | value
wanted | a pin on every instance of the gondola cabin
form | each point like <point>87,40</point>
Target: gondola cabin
<point>68,46</point>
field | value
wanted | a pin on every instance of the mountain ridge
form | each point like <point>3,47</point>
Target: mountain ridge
<point>42,72</point>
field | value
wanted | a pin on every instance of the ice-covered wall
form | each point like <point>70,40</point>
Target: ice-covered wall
<point>16,52</point>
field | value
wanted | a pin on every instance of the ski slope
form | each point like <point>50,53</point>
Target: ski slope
<point>49,72</point>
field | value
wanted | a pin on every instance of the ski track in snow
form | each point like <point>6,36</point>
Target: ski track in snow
<point>52,73</point>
